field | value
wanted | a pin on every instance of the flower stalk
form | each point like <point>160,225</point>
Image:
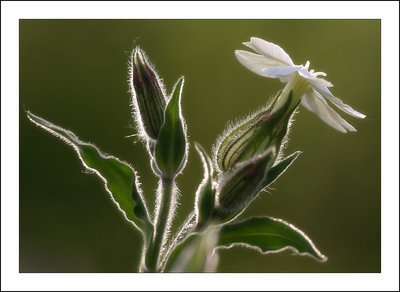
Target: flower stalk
<point>163,217</point>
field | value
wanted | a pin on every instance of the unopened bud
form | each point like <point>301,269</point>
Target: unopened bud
<point>148,94</point>
<point>256,134</point>
<point>239,186</point>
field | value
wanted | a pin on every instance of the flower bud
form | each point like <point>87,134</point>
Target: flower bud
<point>149,98</point>
<point>255,134</point>
<point>240,185</point>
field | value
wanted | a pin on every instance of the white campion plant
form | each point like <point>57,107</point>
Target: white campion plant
<point>247,159</point>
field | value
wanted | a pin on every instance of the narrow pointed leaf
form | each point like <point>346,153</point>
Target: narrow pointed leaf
<point>278,169</point>
<point>268,235</point>
<point>170,150</point>
<point>120,178</point>
<point>205,195</point>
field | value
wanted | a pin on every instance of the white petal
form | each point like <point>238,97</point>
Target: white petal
<point>314,102</point>
<point>253,62</point>
<point>270,51</point>
<point>319,82</point>
<point>281,71</point>
<point>345,107</point>
<point>324,91</point>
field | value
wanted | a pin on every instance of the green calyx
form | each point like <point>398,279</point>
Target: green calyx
<point>148,92</point>
<point>239,186</point>
<point>254,135</point>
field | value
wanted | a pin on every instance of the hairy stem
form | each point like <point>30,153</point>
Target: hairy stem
<point>183,232</point>
<point>163,219</point>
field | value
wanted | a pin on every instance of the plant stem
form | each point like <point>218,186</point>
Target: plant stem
<point>184,230</point>
<point>162,223</point>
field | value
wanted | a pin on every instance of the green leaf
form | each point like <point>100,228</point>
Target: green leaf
<point>195,253</point>
<point>171,146</point>
<point>205,195</point>
<point>119,178</point>
<point>278,169</point>
<point>268,235</point>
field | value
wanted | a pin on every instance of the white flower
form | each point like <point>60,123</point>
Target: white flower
<point>273,62</point>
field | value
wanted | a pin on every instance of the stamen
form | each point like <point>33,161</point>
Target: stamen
<point>307,65</point>
<point>319,73</point>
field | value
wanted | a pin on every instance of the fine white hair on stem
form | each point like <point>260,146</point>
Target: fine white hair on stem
<point>171,213</point>
<point>184,230</point>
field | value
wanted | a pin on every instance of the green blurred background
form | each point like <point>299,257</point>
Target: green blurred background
<point>74,73</point>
